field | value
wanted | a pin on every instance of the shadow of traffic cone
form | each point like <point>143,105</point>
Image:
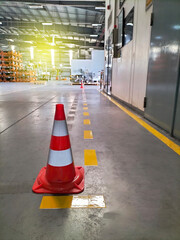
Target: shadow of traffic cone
<point>60,175</point>
<point>82,85</point>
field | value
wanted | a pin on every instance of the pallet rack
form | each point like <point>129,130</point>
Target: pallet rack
<point>11,68</point>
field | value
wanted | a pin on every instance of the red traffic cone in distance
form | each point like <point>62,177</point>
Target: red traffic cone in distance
<point>60,175</point>
<point>82,85</point>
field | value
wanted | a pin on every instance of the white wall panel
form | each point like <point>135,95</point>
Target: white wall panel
<point>130,71</point>
<point>141,54</point>
<point>122,74</point>
<point>94,65</point>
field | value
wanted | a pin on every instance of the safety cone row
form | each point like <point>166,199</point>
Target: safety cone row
<point>60,175</point>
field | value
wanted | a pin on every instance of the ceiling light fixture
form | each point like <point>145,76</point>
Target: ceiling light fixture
<point>32,52</point>
<point>70,56</point>
<point>28,42</point>
<point>96,24</point>
<point>52,57</point>
<point>11,40</point>
<point>47,24</point>
<point>100,8</point>
<point>129,24</point>
<point>35,6</point>
<point>12,48</point>
<point>93,35</point>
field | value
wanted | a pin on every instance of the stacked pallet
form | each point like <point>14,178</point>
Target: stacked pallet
<point>26,76</point>
<point>11,68</point>
<point>10,64</point>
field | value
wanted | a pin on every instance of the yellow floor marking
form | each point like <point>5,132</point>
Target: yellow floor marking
<point>88,134</point>
<point>56,202</point>
<point>175,147</point>
<point>85,108</point>
<point>85,113</point>
<point>90,158</point>
<point>87,122</point>
<point>85,104</point>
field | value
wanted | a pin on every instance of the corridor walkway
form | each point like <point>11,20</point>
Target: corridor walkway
<point>137,175</point>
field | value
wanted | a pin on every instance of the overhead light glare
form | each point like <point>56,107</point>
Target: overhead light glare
<point>93,35</point>
<point>47,24</point>
<point>52,57</point>
<point>70,45</point>
<point>36,6</point>
<point>0,22</point>
<point>12,48</point>
<point>129,24</point>
<point>96,24</point>
<point>176,27</point>
<point>32,52</point>
<point>100,8</point>
<point>70,56</point>
<point>28,42</point>
<point>11,40</point>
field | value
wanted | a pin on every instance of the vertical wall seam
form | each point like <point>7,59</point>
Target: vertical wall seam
<point>175,99</point>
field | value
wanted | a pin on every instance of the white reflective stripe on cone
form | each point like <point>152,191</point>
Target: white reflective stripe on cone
<point>60,158</point>
<point>60,128</point>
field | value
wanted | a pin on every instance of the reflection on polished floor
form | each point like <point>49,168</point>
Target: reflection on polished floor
<point>135,175</point>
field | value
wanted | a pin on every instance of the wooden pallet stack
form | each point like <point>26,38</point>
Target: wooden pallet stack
<point>11,68</point>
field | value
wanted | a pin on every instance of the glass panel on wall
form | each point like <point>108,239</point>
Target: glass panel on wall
<point>121,2</point>
<point>108,65</point>
<point>128,27</point>
<point>120,29</point>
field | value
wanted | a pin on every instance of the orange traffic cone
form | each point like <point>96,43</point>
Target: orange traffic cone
<point>82,85</point>
<point>60,175</point>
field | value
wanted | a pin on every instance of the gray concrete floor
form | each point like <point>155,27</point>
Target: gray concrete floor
<point>137,174</point>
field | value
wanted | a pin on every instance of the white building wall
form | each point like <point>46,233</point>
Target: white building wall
<point>129,74</point>
<point>141,54</point>
<point>94,65</point>
<point>107,14</point>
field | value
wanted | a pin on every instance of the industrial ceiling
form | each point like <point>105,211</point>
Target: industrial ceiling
<point>47,24</point>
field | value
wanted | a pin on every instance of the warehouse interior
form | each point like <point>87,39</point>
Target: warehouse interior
<point>49,35</point>
<point>89,119</point>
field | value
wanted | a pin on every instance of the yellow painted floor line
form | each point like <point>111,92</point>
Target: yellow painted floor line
<point>85,113</point>
<point>90,158</point>
<point>87,122</point>
<point>85,104</point>
<point>175,147</point>
<point>57,202</point>
<point>85,108</point>
<point>88,134</point>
